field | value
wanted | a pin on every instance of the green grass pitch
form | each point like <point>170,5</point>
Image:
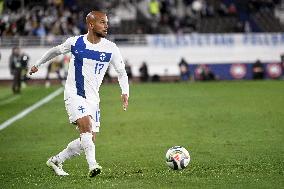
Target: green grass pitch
<point>233,130</point>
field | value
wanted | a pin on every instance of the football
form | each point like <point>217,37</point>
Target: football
<point>177,157</point>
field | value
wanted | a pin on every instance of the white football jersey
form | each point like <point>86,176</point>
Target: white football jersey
<point>88,65</point>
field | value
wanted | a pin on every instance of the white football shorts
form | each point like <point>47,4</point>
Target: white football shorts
<point>78,107</point>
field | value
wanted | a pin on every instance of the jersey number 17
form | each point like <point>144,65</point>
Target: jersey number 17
<point>98,68</point>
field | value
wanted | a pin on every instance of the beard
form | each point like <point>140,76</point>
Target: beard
<point>100,34</point>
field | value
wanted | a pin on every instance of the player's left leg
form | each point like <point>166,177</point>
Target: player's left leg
<point>96,169</point>
<point>85,125</point>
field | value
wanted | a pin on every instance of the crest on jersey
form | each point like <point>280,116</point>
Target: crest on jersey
<point>102,56</point>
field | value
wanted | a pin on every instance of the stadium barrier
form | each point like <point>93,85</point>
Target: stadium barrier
<point>162,53</point>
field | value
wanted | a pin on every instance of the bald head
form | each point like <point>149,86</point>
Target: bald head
<point>97,23</point>
<point>92,16</point>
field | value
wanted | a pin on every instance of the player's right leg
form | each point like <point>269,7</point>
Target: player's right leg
<point>74,148</point>
<point>57,167</point>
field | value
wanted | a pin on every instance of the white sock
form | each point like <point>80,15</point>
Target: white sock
<point>89,148</point>
<point>74,148</point>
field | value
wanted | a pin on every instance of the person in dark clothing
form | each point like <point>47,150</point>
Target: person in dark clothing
<point>16,65</point>
<point>282,65</point>
<point>144,76</point>
<point>258,70</point>
<point>55,66</point>
<point>204,73</point>
<point>128,71</point>
<point>184,70</point>
<point>25,60</point>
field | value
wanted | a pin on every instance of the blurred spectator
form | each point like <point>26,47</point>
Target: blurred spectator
<point>50,18</point>
<point>58,17</point>
<point>18,64</point>
<point>239,27</point>
<point>154,9</point>
<point>184,70</point>
<point>197,5</point>
<point>55,66</point>
<point>258,70</point>
<point>144,76</point>
<point>66,60</point>
<point>204,73</point>
<point>24,74</point>
<point>1,6</point>
<point>232,10</point>
<point>156,78</point>
<point>282,64</point>
<point>39,31</point>
<point>247,27</point>
<point>125,10</point>
<point>128,71</point>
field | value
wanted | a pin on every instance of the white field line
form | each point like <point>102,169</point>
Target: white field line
<point>7,101</point>
<point>31,108</point>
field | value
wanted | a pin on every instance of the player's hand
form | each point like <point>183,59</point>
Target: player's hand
<point>124,98</point>
<point>34,69</point>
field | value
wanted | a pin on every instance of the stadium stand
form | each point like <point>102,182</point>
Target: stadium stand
<point>58,17</point>
<point>136,23</point>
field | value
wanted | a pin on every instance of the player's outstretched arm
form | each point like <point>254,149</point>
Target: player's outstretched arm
<point>50,54</point>
<point>53,52</point>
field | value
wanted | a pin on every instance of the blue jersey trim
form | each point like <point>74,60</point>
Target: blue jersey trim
<point>80,52</point>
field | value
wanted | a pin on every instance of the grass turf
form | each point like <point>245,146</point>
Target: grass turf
<point>233,130</point>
